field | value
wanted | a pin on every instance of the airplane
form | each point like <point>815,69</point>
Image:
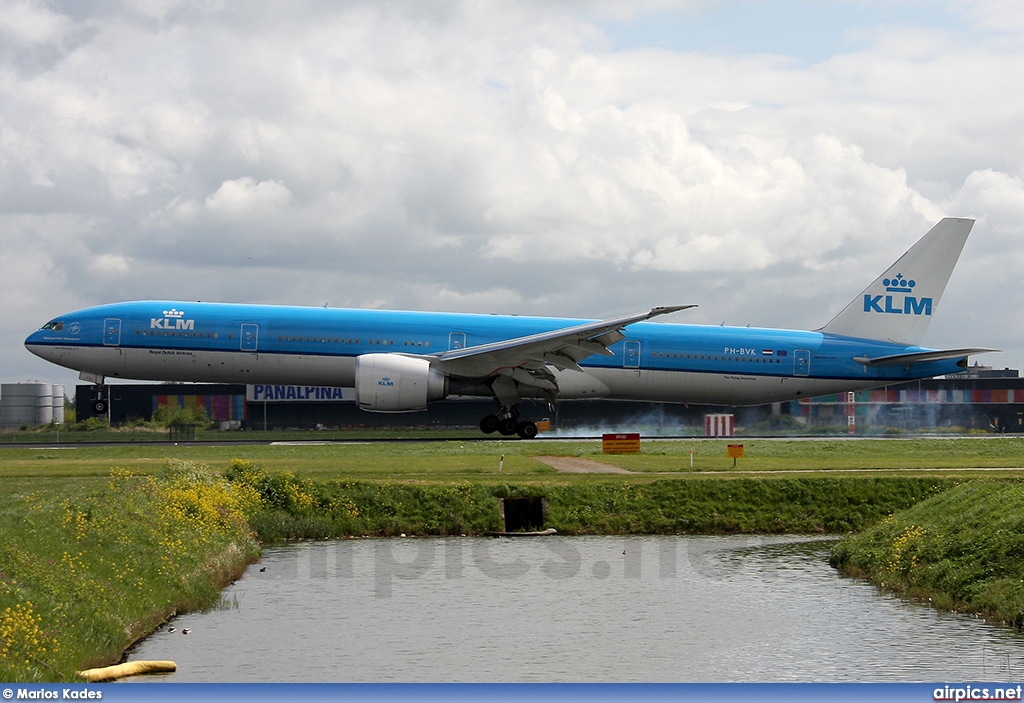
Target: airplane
<point>399,361</point>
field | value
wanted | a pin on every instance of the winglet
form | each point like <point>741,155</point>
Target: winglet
<point>667,309</point>
<point>898,306</point>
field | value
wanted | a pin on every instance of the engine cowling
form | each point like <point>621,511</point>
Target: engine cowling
<point>392,383</point>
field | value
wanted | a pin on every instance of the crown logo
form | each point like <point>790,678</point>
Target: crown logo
<point>173,313</point>
<point>898,284</point>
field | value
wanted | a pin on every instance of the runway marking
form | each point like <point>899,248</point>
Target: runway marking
<point>575,465</point>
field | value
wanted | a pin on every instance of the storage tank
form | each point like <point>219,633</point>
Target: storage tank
<point>26,404</point>
<point>58,403</point>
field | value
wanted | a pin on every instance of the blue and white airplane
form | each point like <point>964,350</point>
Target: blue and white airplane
<point>399,361</point>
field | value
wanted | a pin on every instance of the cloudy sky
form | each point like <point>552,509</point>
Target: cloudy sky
<point>765,160</point>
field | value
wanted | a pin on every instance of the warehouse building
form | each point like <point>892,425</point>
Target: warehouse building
<point>981,399</point>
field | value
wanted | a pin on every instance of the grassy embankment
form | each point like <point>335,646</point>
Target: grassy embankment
<point>83,574</point>
<point>962,550</point>
<point>90,562</point>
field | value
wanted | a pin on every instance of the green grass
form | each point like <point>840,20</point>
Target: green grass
<point>90,561</point>
<point>87,566</point>
<point>479,461</point>
<point>962,550</point>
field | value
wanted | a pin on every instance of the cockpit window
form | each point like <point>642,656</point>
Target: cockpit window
<point>55,326</point>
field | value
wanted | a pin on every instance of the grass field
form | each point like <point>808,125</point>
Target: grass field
<point>99,543</point>
<point>480,460</point>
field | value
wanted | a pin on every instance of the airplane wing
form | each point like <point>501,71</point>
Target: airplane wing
<point>525,359</point>
<point>917,357</point>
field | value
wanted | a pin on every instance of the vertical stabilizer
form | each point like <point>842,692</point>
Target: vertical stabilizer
<point>898,306</point>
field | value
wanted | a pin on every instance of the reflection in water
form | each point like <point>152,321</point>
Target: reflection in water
<point>659,608</point>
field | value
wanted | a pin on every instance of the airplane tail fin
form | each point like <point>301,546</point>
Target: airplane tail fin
<point>898,306</point>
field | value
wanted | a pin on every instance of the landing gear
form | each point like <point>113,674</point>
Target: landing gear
<point>489,424</point>
<point>102,401</point>
<point>506,394</point>
<point>508,424</point>
<point>527,429</point>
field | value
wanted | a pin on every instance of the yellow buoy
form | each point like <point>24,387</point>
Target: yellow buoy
<point>119,671</point>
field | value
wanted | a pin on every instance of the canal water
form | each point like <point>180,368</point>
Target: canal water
<point>593,609</point>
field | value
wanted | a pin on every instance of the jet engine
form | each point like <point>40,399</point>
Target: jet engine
<point>393,383</point>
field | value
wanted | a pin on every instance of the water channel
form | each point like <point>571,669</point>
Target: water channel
<point>629,609</point>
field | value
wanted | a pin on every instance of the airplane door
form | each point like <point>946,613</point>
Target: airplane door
<point>250,337</point>
<point>112,332</point>
<point>457,340</point>
<point>801,362</point>
<point>631,354</point>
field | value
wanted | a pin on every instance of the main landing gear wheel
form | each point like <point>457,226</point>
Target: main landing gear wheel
<point>527,429</point>
<point>489,424</point>
<point>100,407</point>
<point>508,425</point>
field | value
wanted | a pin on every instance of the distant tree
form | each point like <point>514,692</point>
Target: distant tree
<point>168,415</point>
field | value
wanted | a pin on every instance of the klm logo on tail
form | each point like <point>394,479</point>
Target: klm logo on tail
<point>911,305</point>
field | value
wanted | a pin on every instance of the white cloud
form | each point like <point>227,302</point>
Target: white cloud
<point>244,197</point>
<point>495,156</point>
<point>32,24</point>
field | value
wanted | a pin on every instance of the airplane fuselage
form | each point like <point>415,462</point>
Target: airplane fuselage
<point>264,344</point>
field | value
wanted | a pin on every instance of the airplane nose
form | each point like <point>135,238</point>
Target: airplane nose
<point>32,343</point>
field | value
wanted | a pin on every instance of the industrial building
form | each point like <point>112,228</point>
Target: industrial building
<point>980,399</point>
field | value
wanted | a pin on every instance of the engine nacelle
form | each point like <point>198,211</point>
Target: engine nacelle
<point>392,383</point>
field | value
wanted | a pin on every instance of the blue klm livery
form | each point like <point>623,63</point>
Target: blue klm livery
<point>400,361</point>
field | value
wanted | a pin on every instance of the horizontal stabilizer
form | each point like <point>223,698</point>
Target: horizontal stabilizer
<point>919,357</point>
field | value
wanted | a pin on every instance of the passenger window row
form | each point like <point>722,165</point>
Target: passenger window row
<point>716,357</point>
<point>176,333</point>
<point>349,340</point>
